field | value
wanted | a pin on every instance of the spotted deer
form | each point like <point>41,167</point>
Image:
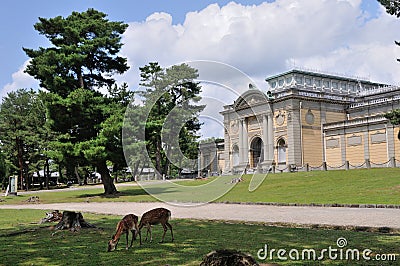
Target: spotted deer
<point>153,217</point>
<point>128,223</point>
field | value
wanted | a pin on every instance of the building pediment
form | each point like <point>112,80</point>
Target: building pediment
<point>250,98</point>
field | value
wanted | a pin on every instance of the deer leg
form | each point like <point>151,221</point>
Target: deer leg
<point>127,238</point>
<point>133,237</point>
<point>165,230</point>
<point>170,228</point>
<point>116,244</point>
<point>149,231</point>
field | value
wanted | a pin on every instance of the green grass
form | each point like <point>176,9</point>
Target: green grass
<point>373,186</point>
<point>24,242</point>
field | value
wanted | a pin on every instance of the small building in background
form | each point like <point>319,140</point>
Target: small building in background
<point>211,157</point>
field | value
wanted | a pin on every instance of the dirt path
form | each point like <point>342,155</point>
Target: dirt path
<point>370,217</point>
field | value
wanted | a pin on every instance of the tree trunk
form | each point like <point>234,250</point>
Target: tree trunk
<point>80,78</point>
<point>77,175</point>
<point>167,161</point>
<point>109,187</point>
<point>158,156</point>
<point>60,173</point>
<point>73,221</point>
<point>47,173</point>
<point>39,179</point>
<point>135,170</point>
<point>228,257</point>
<point>20,161</point>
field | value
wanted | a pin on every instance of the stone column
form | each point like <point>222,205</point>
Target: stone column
<point>199,164</point>
<point>265,137</point>
<point>245,142</point>
<point>390,141</point>
<point>240,141</point>
<point>270,137</point>
<point>227,146</point>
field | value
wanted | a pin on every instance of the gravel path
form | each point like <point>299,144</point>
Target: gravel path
<point>369,217</point>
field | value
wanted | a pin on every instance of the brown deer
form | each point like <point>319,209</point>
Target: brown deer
<point>128,223</point>
<point>153,217</point>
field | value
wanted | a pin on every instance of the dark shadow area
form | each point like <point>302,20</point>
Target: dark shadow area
<point>193,240</point>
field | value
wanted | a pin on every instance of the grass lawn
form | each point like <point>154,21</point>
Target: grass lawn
<point>24,242</point>
<point>364,186</point>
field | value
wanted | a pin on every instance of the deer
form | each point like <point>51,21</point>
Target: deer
<point>128,223</point>
<point>153,217</point>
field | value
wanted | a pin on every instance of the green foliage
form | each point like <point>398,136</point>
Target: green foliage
<point>171,105</point>
<point>23,130</point>
<point>393,116</point>
<point>4,170</point>
<point>84,52</point>
<point>373,186</point>
<point>26,243</point>
<point>79,64</point>
<point>392,7</point>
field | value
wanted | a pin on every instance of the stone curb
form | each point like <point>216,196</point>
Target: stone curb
<point>330,205</point>
<point>371,229</point>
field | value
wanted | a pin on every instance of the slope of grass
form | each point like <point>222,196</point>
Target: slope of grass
<point>373,186</point>
<point>24,242</point>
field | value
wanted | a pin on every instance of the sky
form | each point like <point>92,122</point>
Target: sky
<point>257,38</point>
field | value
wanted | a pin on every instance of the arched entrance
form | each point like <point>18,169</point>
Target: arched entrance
<point>281,151</point>
<point>257,152</point>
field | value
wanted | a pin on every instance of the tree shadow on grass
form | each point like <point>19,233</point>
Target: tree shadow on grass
<point>193,240</point>
<point>131,192</point>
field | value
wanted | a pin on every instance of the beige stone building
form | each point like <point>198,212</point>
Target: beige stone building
<point>308,120</point>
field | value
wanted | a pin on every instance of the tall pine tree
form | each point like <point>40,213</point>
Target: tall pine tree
<point>81,61</point>
<point>171,102</point>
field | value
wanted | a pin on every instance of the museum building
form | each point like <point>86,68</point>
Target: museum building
<point>307,120</point>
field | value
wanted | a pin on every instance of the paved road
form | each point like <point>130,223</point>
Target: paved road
<point>369,217</point>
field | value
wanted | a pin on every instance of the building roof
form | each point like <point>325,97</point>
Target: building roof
<point>325,75</point>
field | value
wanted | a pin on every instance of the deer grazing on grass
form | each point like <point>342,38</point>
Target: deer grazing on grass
<point>153,217</point>
<point>128,223</point>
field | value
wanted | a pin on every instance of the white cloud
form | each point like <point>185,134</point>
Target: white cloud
<point>330,35</point>
<point>260,39</point>
<point>20,80</point>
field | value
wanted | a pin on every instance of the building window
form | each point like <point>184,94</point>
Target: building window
<point>335,85</point>
<point>257,153</point>
<point>273,84</point>
<point>299,80</point>
<point>281,151</point>
<point>289,80</point>
<point>308,81</point>
<point>280,82</point>
<point>326,84</point>
<point>317,83</point>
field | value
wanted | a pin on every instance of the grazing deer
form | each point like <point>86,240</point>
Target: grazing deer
<point>153,217</point>
<point>128,223</point>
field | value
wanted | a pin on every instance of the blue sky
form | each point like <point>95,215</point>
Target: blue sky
<point>17,18</point>
<point>259,38</point>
